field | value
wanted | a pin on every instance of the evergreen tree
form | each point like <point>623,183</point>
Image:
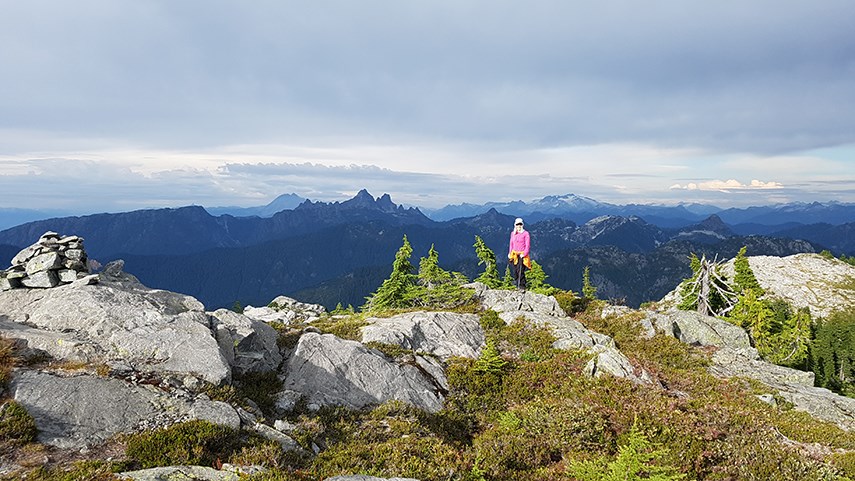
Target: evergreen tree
<point>437,287</point>
<point>634,462</point>
<point>744,278</point>
<point>832,353</point>
<point>508,281</point>
<point>794,341</point>
<point>490,276</point>
<point>490,360</point>
<point>589,291</point>
<point>430,274</point>
<point>536,280</point>
<point>780,336</point>
<point>755,316</point>
<point>396,291</point>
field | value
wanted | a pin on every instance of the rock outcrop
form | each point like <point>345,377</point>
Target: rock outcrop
<point>792,385</point>
<point>75,411</point>
<point>696,329</point>
<point>248,345</point>
<point>442,334</point>
<point>286,310</point>
<point>805,280</point>
<point>329,371</point>
<point>152,346</point>
<point>516,301</point>
<point>735,357</point>
<point>119,321</point>
<point>53,260</point>
<point>174,473</point>
<point>571,334</point>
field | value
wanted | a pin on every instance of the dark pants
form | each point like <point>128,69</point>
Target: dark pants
<point>518,271</point>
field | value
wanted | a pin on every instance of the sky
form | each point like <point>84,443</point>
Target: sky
<point>117,105</point>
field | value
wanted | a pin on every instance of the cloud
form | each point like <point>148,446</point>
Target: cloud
<point>194,75</point>
<point>728,185</point>
<point>227,103</point>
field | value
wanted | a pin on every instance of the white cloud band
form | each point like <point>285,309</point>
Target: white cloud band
<point>728,185</point>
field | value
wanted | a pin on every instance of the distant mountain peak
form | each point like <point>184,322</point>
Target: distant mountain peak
<point>711,228</point>
<point>364,200</point>
<point>385,203</point>
<point>715,224</point>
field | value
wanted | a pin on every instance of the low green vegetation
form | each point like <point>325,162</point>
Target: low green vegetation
<point>524,410</point>
<point>8,360</point>
<point>16,425</point>
<point>635,461</point>
<point>190,443</point>
<point>345,327</point>
<point>258,387</point>
<point>843,257</point>
<point>76,471</point>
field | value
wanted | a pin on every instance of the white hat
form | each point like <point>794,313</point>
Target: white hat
<point>518,221</point>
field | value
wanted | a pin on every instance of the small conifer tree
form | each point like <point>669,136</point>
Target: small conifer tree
<point>395,291</point>
<point>490,360</point>
<point>832,353</point>
<point>508,281</point>
<point>490,276</point>
<point>536,280</point>
<point>780,336</point>
<point>437,287</point>
<point>589,291</point>
<point>430,274</point>
<point>744,278</point>
<point>756,317</point>
<point>634,462</point>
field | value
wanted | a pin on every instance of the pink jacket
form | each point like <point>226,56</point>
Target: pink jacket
<point>520,242</point>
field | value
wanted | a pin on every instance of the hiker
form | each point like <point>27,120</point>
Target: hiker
<point>518,253</point>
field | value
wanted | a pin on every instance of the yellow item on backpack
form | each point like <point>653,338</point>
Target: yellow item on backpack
<point>514,256</point>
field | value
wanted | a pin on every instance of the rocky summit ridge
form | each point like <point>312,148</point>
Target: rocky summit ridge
<point>823,285</point>
<point>147,355</point>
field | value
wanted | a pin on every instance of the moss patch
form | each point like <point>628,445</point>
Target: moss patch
<point>349,327</point>
<point>16,424</point>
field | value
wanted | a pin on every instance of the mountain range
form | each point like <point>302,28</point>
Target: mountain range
<point>581,209</point>
<point>341,251</point>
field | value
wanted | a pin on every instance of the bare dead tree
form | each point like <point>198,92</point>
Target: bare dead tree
<point>708,285</point>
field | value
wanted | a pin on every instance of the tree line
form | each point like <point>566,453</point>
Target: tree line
<point>434,287</point>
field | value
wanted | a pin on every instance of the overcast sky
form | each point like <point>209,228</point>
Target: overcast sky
<point>113,105</point>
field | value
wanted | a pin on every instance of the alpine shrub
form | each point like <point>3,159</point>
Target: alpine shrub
<point>193,442</point>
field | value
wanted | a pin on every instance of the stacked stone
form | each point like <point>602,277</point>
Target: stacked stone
<point>51,261</point>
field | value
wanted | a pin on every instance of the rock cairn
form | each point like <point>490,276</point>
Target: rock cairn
<point>51,261</point>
